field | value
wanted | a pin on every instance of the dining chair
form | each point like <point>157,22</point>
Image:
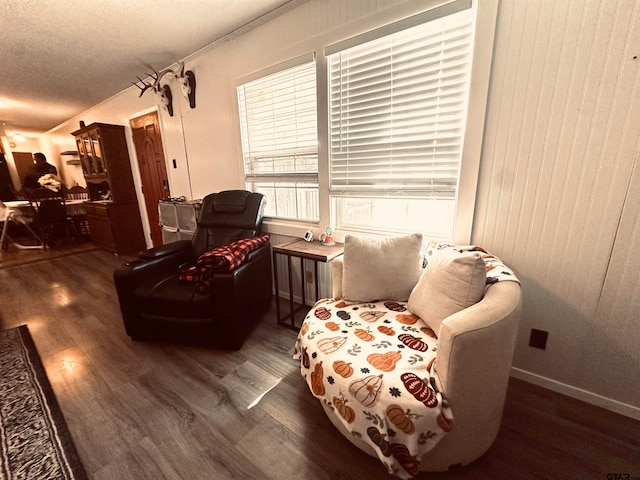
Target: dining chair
<point>20,215</point>
<point>49,214</point>
<point>76,212</point>
<point>77,192</point>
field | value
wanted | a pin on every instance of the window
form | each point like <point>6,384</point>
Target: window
<point>397,115</point>
<point>381,133</point>
<point>278,122</point>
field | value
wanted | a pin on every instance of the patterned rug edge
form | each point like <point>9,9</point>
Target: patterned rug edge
<point>69,451</point>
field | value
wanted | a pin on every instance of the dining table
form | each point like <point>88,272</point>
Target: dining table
<point>21,212</point>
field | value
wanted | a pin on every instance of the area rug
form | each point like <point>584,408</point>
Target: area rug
<point>34,439</point>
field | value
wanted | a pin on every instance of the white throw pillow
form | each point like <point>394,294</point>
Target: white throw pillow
<point>386,269</point>
<point>452,281</point>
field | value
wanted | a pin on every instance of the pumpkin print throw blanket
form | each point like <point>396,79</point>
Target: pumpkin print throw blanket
<point>370,363</point>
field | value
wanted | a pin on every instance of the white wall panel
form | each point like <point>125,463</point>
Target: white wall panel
<point>613,361</point>
<point>560,141</point>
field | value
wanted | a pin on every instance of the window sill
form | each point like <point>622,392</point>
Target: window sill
<point>297,230</point>
<point>289,228</point>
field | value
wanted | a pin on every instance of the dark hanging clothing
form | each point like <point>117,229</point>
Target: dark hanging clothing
<point>35,172</point>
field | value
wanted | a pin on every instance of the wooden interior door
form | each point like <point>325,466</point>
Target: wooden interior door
<point>23,162</point>
<point>153,170</point>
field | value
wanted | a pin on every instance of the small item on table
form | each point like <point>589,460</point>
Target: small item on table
<point>327,238</point>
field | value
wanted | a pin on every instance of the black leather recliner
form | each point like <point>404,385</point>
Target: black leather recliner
<point>156,305</point>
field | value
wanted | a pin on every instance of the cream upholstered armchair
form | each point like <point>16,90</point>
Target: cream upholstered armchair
<point>417,402</point>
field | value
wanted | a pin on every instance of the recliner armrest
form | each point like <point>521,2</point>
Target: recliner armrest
<point>167,249</point>
<point>265,247</point>
<point>127,279</point>
<point>137,271</point>
<point>247,289</point>
<point>255,256</point>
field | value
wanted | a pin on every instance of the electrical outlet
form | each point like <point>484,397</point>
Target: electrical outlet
<point>308,276</point>
<point>538,339</point>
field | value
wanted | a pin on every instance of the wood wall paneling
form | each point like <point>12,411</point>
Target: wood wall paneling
<point>561,138</point>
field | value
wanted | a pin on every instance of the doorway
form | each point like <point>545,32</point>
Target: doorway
<point>153,170</point>
<point>23,162</point>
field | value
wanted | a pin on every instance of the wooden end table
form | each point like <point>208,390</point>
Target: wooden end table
<point>303,250</point>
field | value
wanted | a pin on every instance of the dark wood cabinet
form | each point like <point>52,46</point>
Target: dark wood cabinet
<point>112,209</point>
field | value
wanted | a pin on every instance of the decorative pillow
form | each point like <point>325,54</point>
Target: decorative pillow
<point>380,269</point>
<point>220,259</point>
<point>451,282</point>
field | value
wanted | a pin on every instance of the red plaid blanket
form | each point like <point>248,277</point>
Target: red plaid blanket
<point>220,259</point>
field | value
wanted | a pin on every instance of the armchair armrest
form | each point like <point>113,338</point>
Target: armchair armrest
<point>238,296</point>
<point>168,249</point>
<point>337,266</point>
<point>225,280</point>
<point>473,363</point>
<point>162,262</point>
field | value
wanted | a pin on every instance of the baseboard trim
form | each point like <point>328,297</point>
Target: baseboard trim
<point>284,297</point>
<point>577,393</point>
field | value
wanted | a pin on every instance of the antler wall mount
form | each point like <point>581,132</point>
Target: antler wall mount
<point>164,91</point>
<point>188,86</point>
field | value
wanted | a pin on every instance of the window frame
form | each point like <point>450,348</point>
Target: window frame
<point>286,178</point>
<point>482,54</point>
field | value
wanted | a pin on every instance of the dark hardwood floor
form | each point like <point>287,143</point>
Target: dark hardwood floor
<point>13,256</point>
<point>155,411</point>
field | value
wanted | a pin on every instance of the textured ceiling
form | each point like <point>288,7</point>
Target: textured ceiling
<point>60,57</point>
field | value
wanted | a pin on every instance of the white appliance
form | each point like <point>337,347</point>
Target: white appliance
<point>178,219</point>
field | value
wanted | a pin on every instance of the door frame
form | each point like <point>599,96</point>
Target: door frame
<point>136,171</point>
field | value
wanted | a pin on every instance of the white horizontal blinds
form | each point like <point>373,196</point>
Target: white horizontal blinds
<point>398,108</point>
<point>279,126</point>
